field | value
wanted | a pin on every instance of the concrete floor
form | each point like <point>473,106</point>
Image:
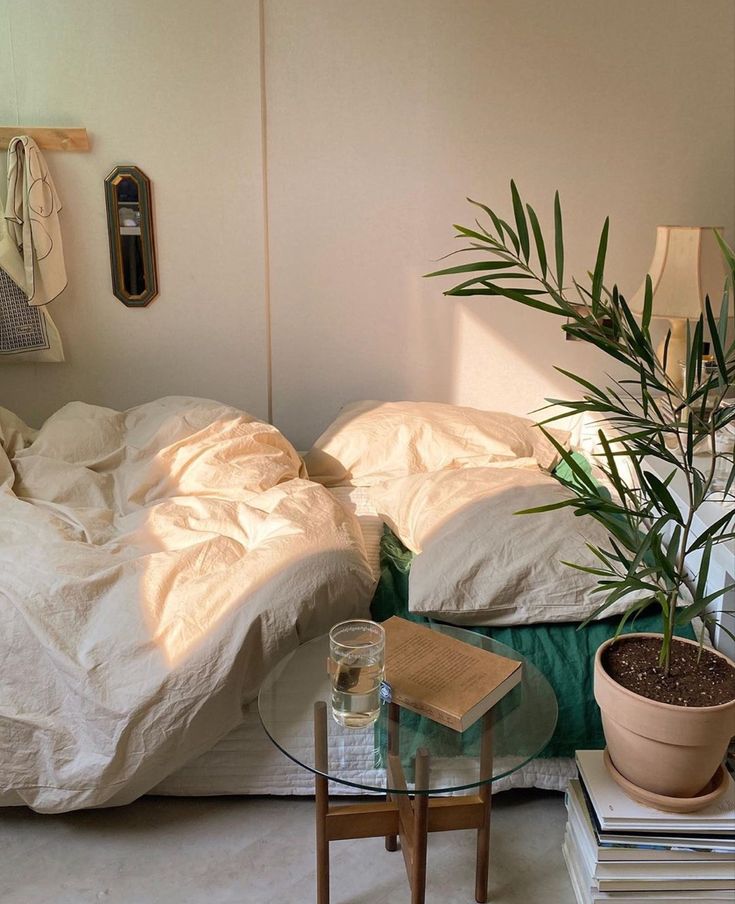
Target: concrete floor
<point>260,851</point>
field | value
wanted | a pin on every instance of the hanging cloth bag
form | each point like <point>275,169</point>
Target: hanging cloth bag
<point>32,270</point>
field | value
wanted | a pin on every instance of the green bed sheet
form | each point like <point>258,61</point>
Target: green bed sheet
<point>562,651</point>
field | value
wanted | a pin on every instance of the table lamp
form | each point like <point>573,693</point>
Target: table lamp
<point>687,266</point>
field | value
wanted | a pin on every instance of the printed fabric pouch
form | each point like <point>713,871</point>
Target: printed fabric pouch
<point>27,332</point>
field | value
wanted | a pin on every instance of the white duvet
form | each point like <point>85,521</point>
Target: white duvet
<point>154,565</point>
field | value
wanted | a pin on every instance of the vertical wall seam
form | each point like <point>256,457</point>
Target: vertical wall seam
<point>266,214</point>
<point>12,66</point>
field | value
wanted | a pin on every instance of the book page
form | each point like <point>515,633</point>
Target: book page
<point>420,664</point>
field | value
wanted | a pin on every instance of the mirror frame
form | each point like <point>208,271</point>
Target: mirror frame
<point>146,235</point>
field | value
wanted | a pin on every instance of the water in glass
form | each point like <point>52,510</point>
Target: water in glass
<point>356,651</point>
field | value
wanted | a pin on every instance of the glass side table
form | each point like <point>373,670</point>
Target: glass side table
<point>410,760</point>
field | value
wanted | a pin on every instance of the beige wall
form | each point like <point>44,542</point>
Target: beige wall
<point>382,117</point>
<point>385,115</point>
<point>174,88</point>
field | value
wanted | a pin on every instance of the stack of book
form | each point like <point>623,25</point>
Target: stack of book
<point>618,850</point>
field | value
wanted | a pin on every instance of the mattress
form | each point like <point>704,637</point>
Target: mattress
<point>247,762</point>
<point>357,501</point>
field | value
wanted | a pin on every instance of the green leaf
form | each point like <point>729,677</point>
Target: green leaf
<point>475,266</point>
<point>598,275</point>
<point>694,362</point>
<point>723,321</point>
<point>647,303</point>
<point>511,235</point>
<point>662,496</point>
<point>521,224</point>
<point>715,341</point>
<point>484,231</point>
<point>703,571</point>
<point>730,481</point>
<point>473,234</point>
<point>539,239</point>
<point>599,554</point>
<point>711,531</point>
<point>710,620</point>
<point>665,355</point>
<point>723,538</point>
<point>524,297</point>
<point>633,612</point>
<point>582,382</point>
<point>484,281</point>
<point>497,222</point>
<point>585,568</point>
<point>686,613</point>
<point>638,342</point>
<point>613,472</point>
<point>597,612</point>
<point>689,447</point>
<point>726,250</point>
<point>547,508</point>
<point>698,486</point>
<point>672,551</point>
<point>645,543</point>
<point>718,593</point>
<point>558,242</point>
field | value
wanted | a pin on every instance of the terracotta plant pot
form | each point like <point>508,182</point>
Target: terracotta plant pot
<point>669,750</point>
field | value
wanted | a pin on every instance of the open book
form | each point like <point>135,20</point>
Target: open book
<point>435,675</point>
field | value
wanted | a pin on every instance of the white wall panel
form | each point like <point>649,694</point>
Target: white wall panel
<point>174,87</point>
<point>384,115</point>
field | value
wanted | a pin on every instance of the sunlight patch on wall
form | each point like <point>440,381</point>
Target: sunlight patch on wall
<point>505,354</point>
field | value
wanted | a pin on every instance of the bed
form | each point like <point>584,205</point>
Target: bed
<point>369,443</point>
<point>155,564</point>
<point>436,488</point>
<point>202,517</point>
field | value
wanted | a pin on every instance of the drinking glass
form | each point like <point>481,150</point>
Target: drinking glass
<point>356,663</point>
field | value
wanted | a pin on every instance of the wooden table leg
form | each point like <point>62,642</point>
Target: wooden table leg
<point>420,828</point>
<point>485,794</point>
<point>394,724</point>
<point>411,816</point>
<point>321,789</point>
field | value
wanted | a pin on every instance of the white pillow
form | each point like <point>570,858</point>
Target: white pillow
<point>479,563</point>
<point>82,434</point>
<point>374,441</point>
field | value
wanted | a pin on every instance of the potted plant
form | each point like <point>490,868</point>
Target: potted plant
<point>668,705</point>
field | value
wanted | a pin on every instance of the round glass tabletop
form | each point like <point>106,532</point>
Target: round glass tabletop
<point>517,728</point>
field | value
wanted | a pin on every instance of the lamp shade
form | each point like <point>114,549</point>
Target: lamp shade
<point>686,267</point>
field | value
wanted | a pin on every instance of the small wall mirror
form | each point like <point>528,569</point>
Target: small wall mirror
<point>130,230</point>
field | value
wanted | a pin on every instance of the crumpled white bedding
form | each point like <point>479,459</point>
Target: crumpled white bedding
<point>478,562</point>
<point>154,565</point>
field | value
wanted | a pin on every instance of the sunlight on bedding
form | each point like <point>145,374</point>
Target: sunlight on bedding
<point>199,549</point>
<point>154,565</point>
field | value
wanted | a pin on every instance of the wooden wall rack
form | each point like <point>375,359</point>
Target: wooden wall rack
<point>47,138</point>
